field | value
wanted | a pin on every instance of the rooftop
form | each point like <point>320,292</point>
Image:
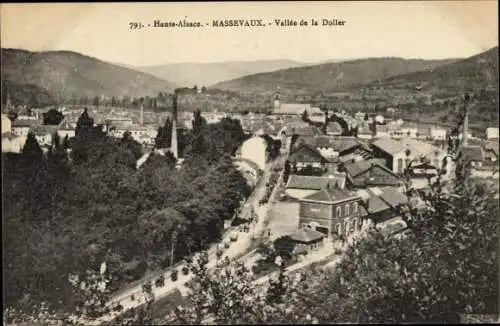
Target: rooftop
<point>331,195</point>
<point>306,235</point>
<point>312,182</point>
<point>389,145</point>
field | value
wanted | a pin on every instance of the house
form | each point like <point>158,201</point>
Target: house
<point>364,132</point>
<point>44,134</point>
<point>491,133</point>
<point>306,156</point>
<point>254,149</point>
<point>6,124</point>
<point>382,203</point>
<point>424,133</point>
<point>399,153</point>
<point>360,116</point>
<point>307,239</point>
<point>66,129</point>
<point>331,211</point>
<point>12,143</point>
<point>21,128</point>
<point>361,174</point>
<point>410,132</point>
<point>381,131</point>
<point>473,154</point>
<point>379,118</point>
<point>300,186</point>
<point>438,133</point>
<point>491,151</point>
<point>333,129</point>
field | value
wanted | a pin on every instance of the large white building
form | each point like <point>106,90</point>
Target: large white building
<point>491,133</point>
<point>254,149</point>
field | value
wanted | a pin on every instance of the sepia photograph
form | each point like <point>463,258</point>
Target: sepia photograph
<point>265,162</point>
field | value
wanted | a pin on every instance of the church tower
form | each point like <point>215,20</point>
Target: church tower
<point>174,145</point>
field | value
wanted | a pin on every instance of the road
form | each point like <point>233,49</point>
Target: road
<point>241,246</point>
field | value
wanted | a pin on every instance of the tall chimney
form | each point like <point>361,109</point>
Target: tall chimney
<point>465,133</point>
<point>174,146</point>
<point>142,114</point>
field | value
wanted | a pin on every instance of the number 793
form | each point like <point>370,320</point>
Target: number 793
<point>135,25</point>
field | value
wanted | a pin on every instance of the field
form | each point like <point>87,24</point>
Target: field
<point>284,219</point>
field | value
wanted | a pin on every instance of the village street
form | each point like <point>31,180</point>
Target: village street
<point>236,249</point>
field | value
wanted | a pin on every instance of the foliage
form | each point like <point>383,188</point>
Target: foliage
<point>52,117</point>
<point>227,295</point>
<point>68,211</point>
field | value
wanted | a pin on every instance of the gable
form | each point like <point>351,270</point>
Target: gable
<point>306,154</point>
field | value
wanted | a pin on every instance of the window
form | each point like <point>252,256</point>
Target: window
<point>339,212</point>
<point>346,210</point>
<point>306,226</point>
<point>399,166</point>
<point>338,228</point>
<point>354,207</point>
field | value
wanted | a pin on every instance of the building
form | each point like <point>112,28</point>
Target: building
<point>379,119</point>
<point>300,186</point>
<point>331,211</point>
<point>382,203</point>
<point>44,134</point>
<point>438,133</point>
<point>6,124</point>
<point>364,132</point>
<point>491,133</point>
<point>66,129</point>
<point>21,128</point>
<point>334,147</point>
<point>491,152</point>
<point>411,132</point>
<point>12,144</point>
<point>473,154</point>
<point>333,129</point>
<point>254,149</point>
<point>292,109</point>
<point>399,153</point>
<point>362,174</point>
<point>382,131</point>
<point>305,156</point>
<point>306,239</point>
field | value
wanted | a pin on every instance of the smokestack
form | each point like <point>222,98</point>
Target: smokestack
<point>174,145</point>
<point>465,134</point>
<point>142,114</point>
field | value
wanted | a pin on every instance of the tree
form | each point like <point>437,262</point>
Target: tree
<point>366,117</point>
<point>52,117</point>
<point>32,152</point>
<point>287,171</point>
<point>84,123</point>
<point>305,116</point>
<point>198,122</point>
<point>164,135</point>
<point>95,102</point>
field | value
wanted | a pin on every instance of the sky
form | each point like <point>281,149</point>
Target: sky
<point>411,29</point>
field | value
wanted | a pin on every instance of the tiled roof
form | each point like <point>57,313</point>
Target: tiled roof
<point>393,196</point>
<point>389,145</point>
<point>310,182</point>
<point>41,130</point>
<point>473,153</point>
<point>356,168</point>
<point>419,146</point>
<point>305,153</point>
<point>26,123</point>
<point>338,144</point>
<point>292,108</point>
<point>374,205</point>
<point>331,195</point>
<point>306,235</point>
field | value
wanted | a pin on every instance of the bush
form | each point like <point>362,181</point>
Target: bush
<point>132,297</point>
<point>174,275</point>
<point>185,270</point>
<point>160,281</point>
<point>227,245</point>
